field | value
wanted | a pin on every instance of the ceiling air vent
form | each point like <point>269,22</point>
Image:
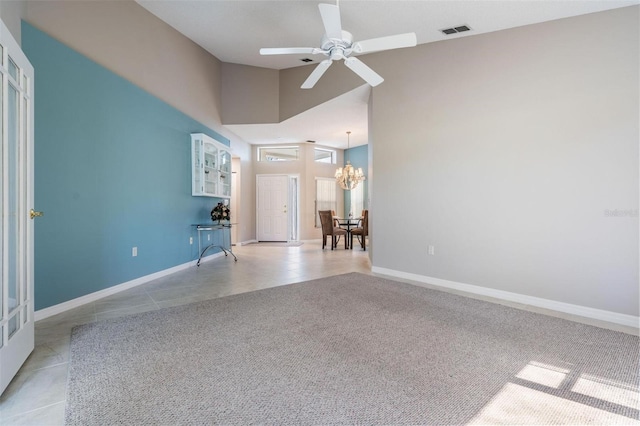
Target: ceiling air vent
<point>306,60</point>
<point>455,30</point>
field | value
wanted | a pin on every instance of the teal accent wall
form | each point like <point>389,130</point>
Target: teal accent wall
<point>359,157</point>
<point>112,172</point>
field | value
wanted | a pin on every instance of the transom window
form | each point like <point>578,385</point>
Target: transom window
<point>278,153</point>
<point>322,155</point>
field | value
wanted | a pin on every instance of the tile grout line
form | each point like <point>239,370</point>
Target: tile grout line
<point>146,291</point>
<point>47,366</point>
<point>36,409</point>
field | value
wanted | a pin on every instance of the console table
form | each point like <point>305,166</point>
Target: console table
<point>213,228</point>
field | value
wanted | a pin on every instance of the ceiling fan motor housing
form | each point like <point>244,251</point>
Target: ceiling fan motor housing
<point>337,48</point>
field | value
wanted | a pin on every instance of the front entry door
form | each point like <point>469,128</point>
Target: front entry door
<point>272,217</point>
<point>16,190</point>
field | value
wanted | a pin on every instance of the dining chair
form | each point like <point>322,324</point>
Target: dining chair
<point>335,221</point>
<point>328,229</point>
<point>362,231</point>
<point>339,224</point>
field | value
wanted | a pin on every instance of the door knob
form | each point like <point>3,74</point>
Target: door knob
<point>35,214</point>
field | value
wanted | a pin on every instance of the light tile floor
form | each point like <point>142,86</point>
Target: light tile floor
<point>36,396</point>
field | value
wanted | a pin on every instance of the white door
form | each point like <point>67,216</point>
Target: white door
<point>16,231</point>
<point>271,215</point>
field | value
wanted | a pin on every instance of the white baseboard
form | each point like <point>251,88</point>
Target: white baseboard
<point>244,243</point>
<point>567,308</point>
<point>92,297</point>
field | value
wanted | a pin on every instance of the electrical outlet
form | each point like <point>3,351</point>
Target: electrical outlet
<point>432,250</point>
<point>134,251</point>
<point>190,240</point>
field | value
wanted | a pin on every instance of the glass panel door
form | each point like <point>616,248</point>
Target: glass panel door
<point>16,189</point>
<point>13,206</point>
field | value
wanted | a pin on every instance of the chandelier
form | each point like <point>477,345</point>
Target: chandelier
<point>348,177</point>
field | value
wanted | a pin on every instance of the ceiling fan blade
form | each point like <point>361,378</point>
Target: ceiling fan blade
<point>366,73</point>
<point>331,19</point>
<point>288,50</point>
<point>316,74</point>
<point>385,43</point>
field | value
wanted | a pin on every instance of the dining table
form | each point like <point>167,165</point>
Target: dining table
<point>347,223</point>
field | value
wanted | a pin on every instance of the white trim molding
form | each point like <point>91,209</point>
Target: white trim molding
<point>92,297</point>
<point>552,305</point>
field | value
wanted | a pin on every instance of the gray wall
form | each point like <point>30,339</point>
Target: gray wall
<point>505,151</point>
<point>337,80</point>
<point>249,94</point>
<point>11,13</point>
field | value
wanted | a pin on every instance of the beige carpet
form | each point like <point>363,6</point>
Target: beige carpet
<point>350,349</point>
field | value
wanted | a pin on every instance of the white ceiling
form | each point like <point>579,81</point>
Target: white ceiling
<point>235,30</point>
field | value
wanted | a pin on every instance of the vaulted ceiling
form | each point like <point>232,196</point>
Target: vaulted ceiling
<point>235,30</point>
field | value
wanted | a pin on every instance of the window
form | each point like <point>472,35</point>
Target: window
<point>278,153</point>
<point>357,200</point>
<point>322,155</point>
<point>325,196</point>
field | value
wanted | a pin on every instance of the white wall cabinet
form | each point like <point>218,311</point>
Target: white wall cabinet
<point>210,167</point>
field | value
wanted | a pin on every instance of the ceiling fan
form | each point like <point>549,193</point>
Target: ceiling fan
<point>338,44</point>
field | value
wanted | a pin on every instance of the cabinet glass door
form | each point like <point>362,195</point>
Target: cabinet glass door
<point>210,169</point>
<point>225,173</point>
<point>197,186</point>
